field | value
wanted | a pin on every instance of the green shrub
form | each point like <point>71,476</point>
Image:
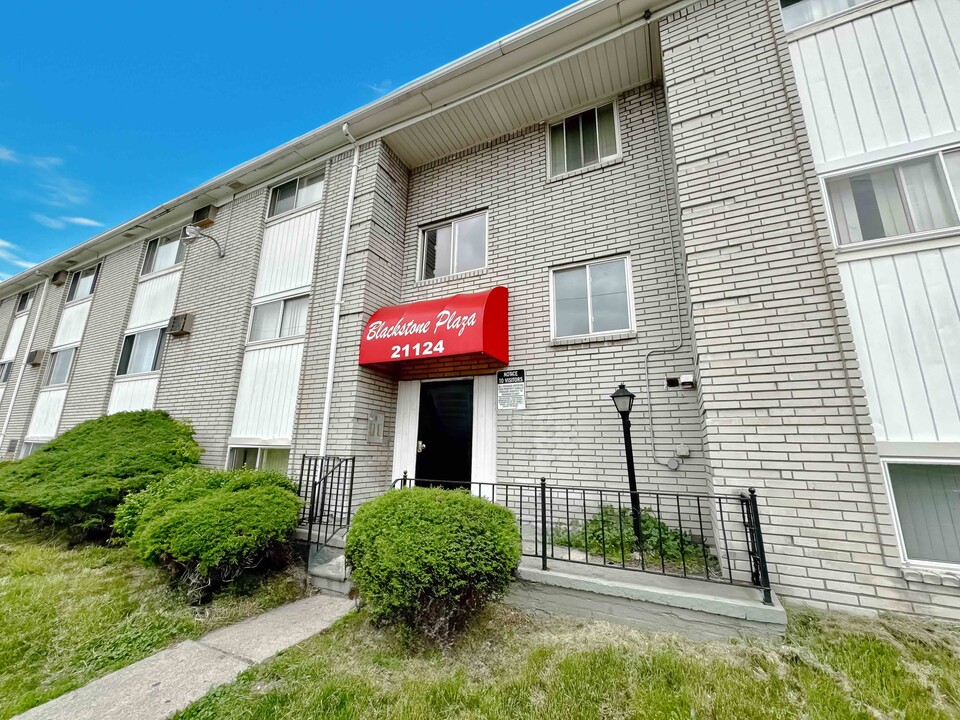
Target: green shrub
<point>427,559</point>
<point>610,533</point>
<point>208,527</point>
<point>78,479</point>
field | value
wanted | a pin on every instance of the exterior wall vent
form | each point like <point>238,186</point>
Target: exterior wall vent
<point>180,325</point>
<point>204,217</point>
<point>35,357</point>
<point>11,446</point>
<point>59,278</point>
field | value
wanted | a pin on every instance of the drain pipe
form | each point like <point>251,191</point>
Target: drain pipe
<point>23,366</point>
<point>338,301</point>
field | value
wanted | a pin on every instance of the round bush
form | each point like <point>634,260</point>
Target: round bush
<point>427,558</point>
<point>79,478</point>
<point>210,526</point>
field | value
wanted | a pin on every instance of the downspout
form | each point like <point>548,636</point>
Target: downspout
<point>338,300</point>
<point>23,366</point>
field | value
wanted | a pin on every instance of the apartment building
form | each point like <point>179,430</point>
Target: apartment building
<point>624,192</point>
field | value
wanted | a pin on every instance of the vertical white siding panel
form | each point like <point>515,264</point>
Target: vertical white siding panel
<point>154,301</point>
<point>881,83</point>
<point>129,395</point>
<point>46,414</point>
<point>874,330</point>
<point>867,115</point>
<point>924,73</point>
<point>918,126</point>
<point>72,322</point>
<point>286,258</point>
<point>942,41</point>
<point>838,88</point>
<point>806,102</point>
<point>407,426</point>
<point>867,370</point>
<point>484,461</point>
<point>816,77</point>
<point>267,396</point>
<point>916,398</point>
<point>13,338</point>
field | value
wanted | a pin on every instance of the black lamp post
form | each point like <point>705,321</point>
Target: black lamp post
<point>623,399</point>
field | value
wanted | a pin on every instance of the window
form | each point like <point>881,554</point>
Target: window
<point>894,200</point>
<point>454,247</point>
<point>162,252</point>
<point>141,352</point>
<point>927,500</point>
<point>276,459</point>
<point>297,193</point>
<point>29,448</point>
<point>60,363</point>
<point>5,371</point>
<point>24,302</point>
<point>584,139</point>
<point>802,12</point>
<point>279,319</point>
<point>592,298</point>
<point>83,283</point>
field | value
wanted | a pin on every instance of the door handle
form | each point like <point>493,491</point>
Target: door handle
<point>421,446</point>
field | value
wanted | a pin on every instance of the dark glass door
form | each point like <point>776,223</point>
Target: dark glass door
<point>445,433</point>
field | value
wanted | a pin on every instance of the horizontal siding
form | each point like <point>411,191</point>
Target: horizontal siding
<point>286,259</point>
<point>881,80</point>
<point>72,322</point>
<point>13,339</point>
<point>154,301</point>
<point>135,394</point>
<point>905,312</point>
<point>46,414</point>
<point>267,396</point>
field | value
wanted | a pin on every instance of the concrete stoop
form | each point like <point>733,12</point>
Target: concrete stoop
<point>694,608</point>
<point>327,568</point>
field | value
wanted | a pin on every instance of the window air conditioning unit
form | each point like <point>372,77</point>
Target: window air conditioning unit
<point>205,216</point>
<point>180,325</point>
<point>59,278</point>
<point>35,357</point>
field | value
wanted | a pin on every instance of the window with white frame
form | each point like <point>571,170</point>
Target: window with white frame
<point>61,362</point>
<point>141,352</point>
<point>279,319</point>
<point>24,302</point>
<point>453,247</point>
<point>162,253</point>
<point>803,12</point>
<point>83,283</point>
<point>927,500</point>
<point>259,458</point>
<point>897,199</point>
<point>5,371</point>
<point>28,448</point>
<point>584,139</point>
<point>296,193</point>
<point>592,298</point>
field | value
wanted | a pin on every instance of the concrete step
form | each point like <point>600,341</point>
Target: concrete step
<point>328,571</point>
<point>695,608</point>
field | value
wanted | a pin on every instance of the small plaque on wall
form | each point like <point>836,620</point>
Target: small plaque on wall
<point>375,428</point>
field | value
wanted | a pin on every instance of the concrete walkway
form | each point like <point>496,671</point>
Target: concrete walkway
<point>161,684</point>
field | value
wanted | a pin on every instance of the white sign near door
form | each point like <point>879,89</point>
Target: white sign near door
<point>511,390</point>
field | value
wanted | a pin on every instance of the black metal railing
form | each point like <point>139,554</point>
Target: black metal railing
<point>709,537</point>
<point>326,488</point>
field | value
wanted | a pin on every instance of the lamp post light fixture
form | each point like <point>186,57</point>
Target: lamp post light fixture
<point>623,400</point>
<point>191,233</point>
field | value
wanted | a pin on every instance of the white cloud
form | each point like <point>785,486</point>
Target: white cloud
<point>49,222</point>
<point>380,88</point>
<point>8,155</point>
<point>9,253</point>
<point>62,192</point>
<point>45,163</point>
<point>86,222</point>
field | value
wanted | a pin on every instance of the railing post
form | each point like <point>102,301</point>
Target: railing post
<point>761,553</point>
<point>543,521</point>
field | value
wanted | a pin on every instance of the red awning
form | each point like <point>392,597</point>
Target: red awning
<point>468,324</point>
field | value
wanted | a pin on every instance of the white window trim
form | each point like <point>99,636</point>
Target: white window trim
<point>49,366</point>
<point>905,560</point>
<point>158,353</point>
<point>184,247</point>
<point>601,162</point>
<point>18,313</point>
<point>270,219</point>
<point>422,234</point>
<point>160,273</point>
<point>258,445</point>
<point>278,297</point>
<point>603,334</point>
<point>98,269</point>
<point>954,194</point>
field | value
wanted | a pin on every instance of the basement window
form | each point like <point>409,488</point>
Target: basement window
<point>927,503</point>
<point>260,458</point>
<point>297,193</point>
<point>587,138</point>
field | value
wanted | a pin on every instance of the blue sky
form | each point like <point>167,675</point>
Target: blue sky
<point>108,109</point>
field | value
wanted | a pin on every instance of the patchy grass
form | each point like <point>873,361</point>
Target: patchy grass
<point>509,665</point>
<point>71,614</point>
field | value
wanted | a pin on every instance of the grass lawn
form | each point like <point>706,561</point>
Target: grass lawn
<point>510,665</point>
<point>69,615</point>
